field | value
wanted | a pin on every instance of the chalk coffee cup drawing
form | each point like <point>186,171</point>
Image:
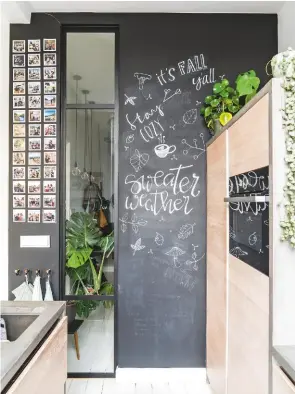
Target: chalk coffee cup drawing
<point>163,150</point>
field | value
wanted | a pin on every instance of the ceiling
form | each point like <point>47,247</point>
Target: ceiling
<point>157,6</point>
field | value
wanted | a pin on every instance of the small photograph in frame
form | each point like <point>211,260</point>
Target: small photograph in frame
<point>34,101</point>
<point>50,101</point>
<point>34,130</point>
<point>19,130</point>
<point>19,187</point>
<point>34,201</point>
<point>34,187</point>
<point>18,60</point>
<point>34,46</point>
<point>34,144</point>
<point>49,157</point>
<point>34,74</point>
<point>19,87</point>
<point>34,59</point>
<point>19,101</point>
<point>49,172</point>
<point>49,115</point>
<point>49,45</point>
<point>34,87</point>
<point>19,144</point>
<point>19,116</point>
<point>18,46</point>
<point>18,158</point>
<point>50,87</point>
<point>19,74</point>
<point>19,201</point>
<point>34,115</point>
<point>34,158</point>
<point>19,173</point>
<point>49,201</point>
<point>49,72</point>
<point>34,216</point>
<point>49,59</point>
<point>49,216</point>
<point>49,187</point>
<point>49,143</point>
<point>34,172</point>
<point>50,130</point>
<point>19,215</point>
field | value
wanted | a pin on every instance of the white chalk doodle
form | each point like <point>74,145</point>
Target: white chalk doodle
<point>134,221</point>
<point>267,246</point>
<point>253,239</point>
<point>150,251</point>
<point>186,97</point>
<point>163,150</point>
<point>266,222</point>
<point>175,252</point>
<point>198,103</point>
<point>129,100</point>
<point>148,97</point>
<point>139,160</point>
<point>195,246</point>
<point>162,219</point>
<point>174,157</point>
<point>222,76</point>
<point>159,239</point>
<point>168,94</point>
<point>137,246</point>
<point>192,264</point>
<point>185,231</point>
<point>232,234</point>
<point>181,278</point>
<point>161,139</point>
<point>142,78</point>
<point>196,148</point>
<point>126,148</point>
<point>249,219</point>
<point>237,252</point>
<point>190,116</point>
<point>129,139</point>
<point>261,251</point>
<point>172,127</point>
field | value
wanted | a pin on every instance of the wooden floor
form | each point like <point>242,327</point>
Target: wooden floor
<point>109,386</point>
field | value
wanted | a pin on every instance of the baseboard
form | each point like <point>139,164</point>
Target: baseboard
<point>197,375</point>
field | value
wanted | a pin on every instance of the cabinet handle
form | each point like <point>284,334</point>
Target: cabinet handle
<point>247,199</point>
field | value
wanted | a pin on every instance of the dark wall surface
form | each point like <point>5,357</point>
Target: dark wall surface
<point>161,234</point>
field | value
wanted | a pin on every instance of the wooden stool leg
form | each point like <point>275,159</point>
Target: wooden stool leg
<point>77,344</point>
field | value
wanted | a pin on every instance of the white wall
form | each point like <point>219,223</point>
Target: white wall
<point>286,26</point>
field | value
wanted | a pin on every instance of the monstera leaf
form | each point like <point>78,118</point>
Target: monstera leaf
<point>82,231</point>
<point>77,257</point>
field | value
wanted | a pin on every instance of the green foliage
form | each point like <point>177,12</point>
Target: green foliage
<point>247,84</point>
<point>82,230</point>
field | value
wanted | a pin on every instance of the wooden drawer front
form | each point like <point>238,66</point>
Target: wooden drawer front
<point>46,373</point>
<point>281,382</point>
<point>248,335</point>
<point>249,139</point>
<point>216,264</point>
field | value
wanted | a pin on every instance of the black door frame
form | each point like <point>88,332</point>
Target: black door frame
<point>68,28</point>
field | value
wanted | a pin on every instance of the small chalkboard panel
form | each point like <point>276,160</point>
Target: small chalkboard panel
<point>166,72</point>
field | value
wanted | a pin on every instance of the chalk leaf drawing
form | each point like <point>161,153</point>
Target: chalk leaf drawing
<point>186,230</point>
<point>168,94</point>
<point>159,239</point>
<point>142,78</point>
<point>134,221</point>
<point>130,139</point>
<point>195,147</point>
<point>190,116</point>
<point>175,252</point>
<point>139,160</point>
<point>129,100</point>
<point>266,222</point>
<point>163,150</point>
<point>237,252</point>
<point>232,233</point>
<point>253,239</point>
<point>137,246</point>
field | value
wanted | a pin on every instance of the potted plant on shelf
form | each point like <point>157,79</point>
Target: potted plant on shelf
<point>83,237</point>
<point>225,101</point>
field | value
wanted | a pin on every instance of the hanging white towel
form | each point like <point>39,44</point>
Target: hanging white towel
<point>23,292</point>
<point>37,292</point>
<point>48,292</point>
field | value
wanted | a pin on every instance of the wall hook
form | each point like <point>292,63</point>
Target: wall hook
<point>17,272</point>
<point>38,272</point>
<point>26,271</point>
<point>48,272</point>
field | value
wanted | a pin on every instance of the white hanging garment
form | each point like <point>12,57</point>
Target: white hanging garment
<point>37,292</point>
<point>23,292</point>
<point>48,292</point>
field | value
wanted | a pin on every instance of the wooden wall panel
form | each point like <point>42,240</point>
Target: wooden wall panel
<point>249,139</point>
<point>216,264</point>
<point>281,383</point>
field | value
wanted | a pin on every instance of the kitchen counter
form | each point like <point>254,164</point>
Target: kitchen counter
<point>15,353</point>
<point>285,357</point>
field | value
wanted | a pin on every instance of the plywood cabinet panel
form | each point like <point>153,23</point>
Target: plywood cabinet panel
<point>216,265</point>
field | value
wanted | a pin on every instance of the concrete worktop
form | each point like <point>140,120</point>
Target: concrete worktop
<point>15,353</point>
<point>285,357</point>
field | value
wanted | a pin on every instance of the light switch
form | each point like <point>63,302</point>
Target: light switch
<point>35,241</point>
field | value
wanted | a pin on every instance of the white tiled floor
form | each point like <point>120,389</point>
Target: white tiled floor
<point>110,386</point>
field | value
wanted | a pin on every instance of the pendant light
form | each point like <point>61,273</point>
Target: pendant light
<point>76,170</point>
<point>91,177</point>
<point>85,175</point>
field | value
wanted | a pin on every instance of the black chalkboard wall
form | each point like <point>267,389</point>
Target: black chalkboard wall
<point>167,65</point>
